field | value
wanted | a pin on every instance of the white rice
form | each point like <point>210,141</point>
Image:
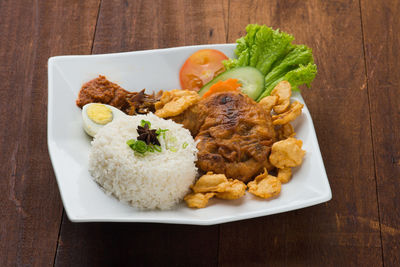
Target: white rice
<point>154,180</point>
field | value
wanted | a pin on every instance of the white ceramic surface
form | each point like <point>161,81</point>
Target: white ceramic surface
<point>84,200</point>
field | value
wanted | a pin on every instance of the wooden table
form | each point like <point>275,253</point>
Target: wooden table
<point>354,101</point>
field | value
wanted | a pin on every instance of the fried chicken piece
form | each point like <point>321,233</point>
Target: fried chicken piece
<point>192,118</point>
<point>197,200</point>
<point>235,137</point>
<point>233,132</point>
<point>287,153</point>
<point>101,90</point>
<point>265,186</point>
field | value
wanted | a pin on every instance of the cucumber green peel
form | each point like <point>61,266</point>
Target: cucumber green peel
<point>251,79</point>
<point>273,54</point>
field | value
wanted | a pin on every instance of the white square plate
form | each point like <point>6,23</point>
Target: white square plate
<point>83,199</point>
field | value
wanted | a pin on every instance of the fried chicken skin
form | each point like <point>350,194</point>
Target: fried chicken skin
<point>234,134</point>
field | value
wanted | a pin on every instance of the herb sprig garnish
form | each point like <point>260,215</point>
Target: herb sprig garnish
<point>147,135</point>
<point>138,146</point>
<point>161,131</point>
<point>147,141</point>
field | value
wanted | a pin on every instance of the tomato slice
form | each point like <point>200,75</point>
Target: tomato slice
<point>200,68</point>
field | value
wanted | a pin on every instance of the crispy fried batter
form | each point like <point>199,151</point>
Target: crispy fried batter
<point>235,137</point>
<point>198,200</point>
<point>174,102</point>
<point>288,116</point>
<point>234,190</point>
<point>268,102</point>
<point>284,175</point>
<point>285,131</point>
<point>211,183</point>
<point>284,91</point>
<point>287,153</point>
<point>265,186</point>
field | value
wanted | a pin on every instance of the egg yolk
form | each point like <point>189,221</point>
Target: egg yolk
<point>99,113</point>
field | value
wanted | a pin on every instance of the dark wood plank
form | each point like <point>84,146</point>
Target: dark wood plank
<point>344,231</point>
<point>30,205</point>
<point>381,25</point>
<point>129,26</point>
<point>159,24</point>
<point>136,244</point>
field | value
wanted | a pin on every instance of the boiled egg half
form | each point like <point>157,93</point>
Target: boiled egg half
<point>96,115</point>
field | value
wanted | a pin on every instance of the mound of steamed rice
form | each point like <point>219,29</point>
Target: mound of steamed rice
<point>150,181</point>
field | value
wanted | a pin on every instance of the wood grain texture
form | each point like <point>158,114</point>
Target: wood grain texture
<point>136,244</point>
<point>153,24</point>
<point>129,26</point>
<point>344,231</point>
<point>381,23</point>
<point>30,206</point>
<point>354,104</point>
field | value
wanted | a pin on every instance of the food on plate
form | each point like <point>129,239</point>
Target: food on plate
<point>233,132</point>
<point>223,86</point>
<point>200,68</point>
<point>192,117</point>
<point>268,103</point>
<point>218,183</point>
<point>251,79</point>
<point>265,186</point>
<point>198,200</point>
<point>273,54</point>
<point>146,179</point>
<point>287,153</point>
<point>210,185</point>
<point>235,136</point>
<point>174,102</point>
<point>290,115</point>
<point>101,90</point>
<point>301,75</point>
<point>284,175</point>
<point>283,91</point>
<point>235,189</point>
<point>285,131</point>
<point>96,115</point>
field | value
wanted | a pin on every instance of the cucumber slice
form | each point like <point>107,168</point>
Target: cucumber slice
<point>252,80</point>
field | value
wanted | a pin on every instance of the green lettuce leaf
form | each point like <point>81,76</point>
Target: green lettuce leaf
<point>260,48</point>
<point>300,55</point>
<point>301,75</point>
<point>272,53</point>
